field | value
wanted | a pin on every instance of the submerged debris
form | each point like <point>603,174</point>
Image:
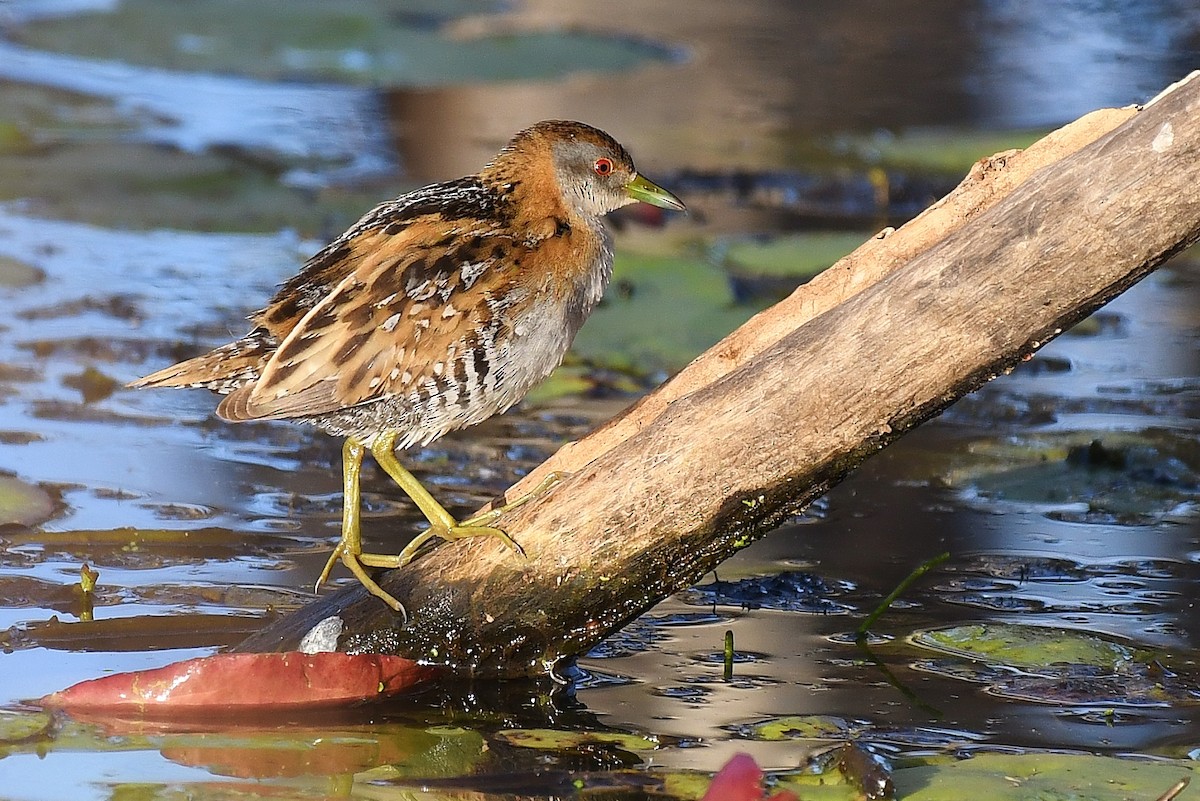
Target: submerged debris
<point>791,591</point>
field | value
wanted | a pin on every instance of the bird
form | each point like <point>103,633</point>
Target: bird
<point>435,311</point>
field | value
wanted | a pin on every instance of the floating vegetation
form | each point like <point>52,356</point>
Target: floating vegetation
<point>791,591</point>
<point>1111,477</point>
<point>366,42</point>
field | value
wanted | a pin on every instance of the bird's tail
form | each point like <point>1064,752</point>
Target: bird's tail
<point>222,370</point>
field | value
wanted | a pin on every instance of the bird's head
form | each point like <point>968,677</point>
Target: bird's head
<point>594,174</point>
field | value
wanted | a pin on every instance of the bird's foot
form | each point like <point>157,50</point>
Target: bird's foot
<point>548,483</point>
<point>449,533</point>
<point>478,526</point>
<point>333,560</point>
<point>354,562</point>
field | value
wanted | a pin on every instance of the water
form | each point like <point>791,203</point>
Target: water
<point>157,204</point>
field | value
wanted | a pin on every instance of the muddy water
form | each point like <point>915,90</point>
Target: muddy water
<point>154,194</point>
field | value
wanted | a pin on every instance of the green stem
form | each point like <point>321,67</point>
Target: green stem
<point>864,628</point>
<point>729,655</point>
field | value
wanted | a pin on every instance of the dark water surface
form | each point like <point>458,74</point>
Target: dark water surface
<point>163,166</point>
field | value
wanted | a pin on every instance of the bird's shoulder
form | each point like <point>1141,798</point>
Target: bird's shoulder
<point>420,220</point>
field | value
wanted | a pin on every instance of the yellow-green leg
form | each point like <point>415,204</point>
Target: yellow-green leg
<point>349,548</point>
<point>480,525</point>
<point>441,523</point>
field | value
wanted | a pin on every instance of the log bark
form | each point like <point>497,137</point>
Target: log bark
<point>776,414</point>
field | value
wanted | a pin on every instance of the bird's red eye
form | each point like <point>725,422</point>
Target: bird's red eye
<point>603,166</point>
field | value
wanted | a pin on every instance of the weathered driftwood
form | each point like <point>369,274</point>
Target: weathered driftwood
<point>781,410</point>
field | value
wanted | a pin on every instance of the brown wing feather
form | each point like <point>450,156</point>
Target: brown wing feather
<point>456,204</point>
<point>220,370</point>
<point>401,318</point>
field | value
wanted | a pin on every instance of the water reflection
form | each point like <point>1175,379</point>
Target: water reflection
<point>1084,55</point>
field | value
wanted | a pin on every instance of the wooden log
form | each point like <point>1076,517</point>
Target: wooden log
<point>776,414</point>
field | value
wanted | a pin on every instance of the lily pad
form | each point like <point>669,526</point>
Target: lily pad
<point>1078,777</point>
<point>139,186</point>
<point>1110,477</point>
<point>798,727</point>
<point>1028,647</point>
<point>18,727</point>
<point>769,268</point>
<point>92,384</point>
<point>368,42</point>
<point>1127,689</point>
<point>33,118</point>
<point>943,150</point>
<point>801,255</point>
<point>68,153</point>
<point>561,740</point>
<point>15,273</point>
<point>660,314</point>
<point>23,504</point>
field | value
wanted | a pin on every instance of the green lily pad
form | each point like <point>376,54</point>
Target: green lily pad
<point>767,269</point>
<point>92,384</point>
<point>1121,478</point>
<point>948,151</point>
<point>660,313</point>
<point>798,727</point>
<point>15,273</point>
<point>33,118</point>
<point>1053,777</point>
<point>23,504</point>
<point>563,382</point>
<point>561,740</point>
<point>1028,647</point>
<point>69,154</point>
<point>13,139</point>
<point>801,255</point>
<point>1084,688</point>
<point>23,727</point>
<point>139,186</point>
<point>369,42</point>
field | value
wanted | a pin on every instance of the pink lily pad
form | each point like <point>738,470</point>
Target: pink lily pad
<point>741,780</point>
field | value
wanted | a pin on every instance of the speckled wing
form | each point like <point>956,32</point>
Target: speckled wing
<point>408,320</point>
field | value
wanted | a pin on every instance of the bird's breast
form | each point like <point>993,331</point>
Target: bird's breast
<point>542,330</point>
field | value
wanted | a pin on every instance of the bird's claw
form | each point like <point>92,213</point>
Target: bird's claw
<point>354,563</point>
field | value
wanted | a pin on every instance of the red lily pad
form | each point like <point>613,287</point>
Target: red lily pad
<point>233,683</point>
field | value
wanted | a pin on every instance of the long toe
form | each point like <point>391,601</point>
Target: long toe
<point>355,566</point>
<point>467,531</point>
<point>333,560</point>
<point>410,551</point>
<point>459,532</point>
